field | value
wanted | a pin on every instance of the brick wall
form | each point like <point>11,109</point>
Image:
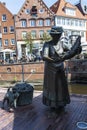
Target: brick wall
<point>76,71</point>
<point>9,22</point>
<point>19,72</point>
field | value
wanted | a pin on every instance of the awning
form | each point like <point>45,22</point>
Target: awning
<point>7,50</point>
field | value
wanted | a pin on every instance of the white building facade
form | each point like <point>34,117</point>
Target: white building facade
<point>71,19</point>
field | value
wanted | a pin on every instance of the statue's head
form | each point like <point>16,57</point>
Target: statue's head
<point>56,32</point>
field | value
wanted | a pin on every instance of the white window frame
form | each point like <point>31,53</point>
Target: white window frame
<point>24,34</point>
<point>40,22</point>
<point>58,21</point>
<point>33,23</point>
<point>70,11</point>
<point>4,18</point>
<point>41,10</point>
<point>6,42</point>
<point>33,34</point>
<point>12,41</point>
<point>48,22</point>
<point>23,23</point>
<point>41,32</point>
<point>5,29</point>
<point>11,29</point>
<point>27,11</point>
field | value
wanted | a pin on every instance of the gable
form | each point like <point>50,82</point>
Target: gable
<point>35,9</point>
<point>64,7</point>
<point>3,8</point>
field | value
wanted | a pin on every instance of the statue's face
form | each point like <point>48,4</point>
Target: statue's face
<point>56,37</point>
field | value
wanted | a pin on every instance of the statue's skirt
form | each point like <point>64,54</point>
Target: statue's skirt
<point>55,88</point>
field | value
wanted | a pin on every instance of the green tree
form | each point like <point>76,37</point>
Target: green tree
<point>29,41</point>
<point>46,37</point>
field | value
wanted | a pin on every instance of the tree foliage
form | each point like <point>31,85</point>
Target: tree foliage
<point>29,41</point>
<point>46,37</point>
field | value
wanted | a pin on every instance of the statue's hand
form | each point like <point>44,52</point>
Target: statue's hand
<point>79,49</point>
<point>75,50</point>
<point>59,59</point>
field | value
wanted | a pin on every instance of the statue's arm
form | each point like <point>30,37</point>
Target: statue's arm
<point>75,50</point>
<point>45,53</point>
<point>49,57</point>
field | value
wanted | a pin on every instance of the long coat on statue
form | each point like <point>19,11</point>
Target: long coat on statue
<point>55,87</point>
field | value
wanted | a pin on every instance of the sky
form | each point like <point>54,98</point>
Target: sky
<point>15,5</point>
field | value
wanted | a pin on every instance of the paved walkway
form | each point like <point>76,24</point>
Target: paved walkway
<point>36,116</point>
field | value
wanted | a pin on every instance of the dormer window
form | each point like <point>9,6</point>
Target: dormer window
<point>34,10</point>
<point>85,8</point>
<point>70,11</point>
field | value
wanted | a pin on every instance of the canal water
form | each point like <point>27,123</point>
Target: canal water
<point>73,88</point>
<point>78,88</point>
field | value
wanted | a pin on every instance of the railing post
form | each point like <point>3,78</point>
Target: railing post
<point>22,72</point>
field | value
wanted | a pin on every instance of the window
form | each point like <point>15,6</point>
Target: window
<point>6,42</point>
<point>83,23</point>
<point>63,21</point>
<point>33,23</point>
<point>41,10</point>
<point>34,10</point>
<point>24,34</point>
<point>41,32</point>
<point>5,29</point>
<point>40,22</point>
<point>80,23</point>
<point>82,34</point>
<point>76,22</point>
<point>72,22</point>
<point>58,21</point>
<point>70,11</point>
<point>23,23</point>
<point>11,29</point>
<point>33,33</point>
<point>48,22</point>
<point>4,17</point>
<point>27,11</point>
<point>13,41</point>
<point>68,21</point>
<point>85,8</point>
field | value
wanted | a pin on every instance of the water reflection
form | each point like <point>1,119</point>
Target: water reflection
<point>78,88</point>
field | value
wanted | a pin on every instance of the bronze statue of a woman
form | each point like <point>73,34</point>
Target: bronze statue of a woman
<point>55,87</point>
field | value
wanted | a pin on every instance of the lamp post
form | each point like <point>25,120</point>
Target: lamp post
<point>15,36</point>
